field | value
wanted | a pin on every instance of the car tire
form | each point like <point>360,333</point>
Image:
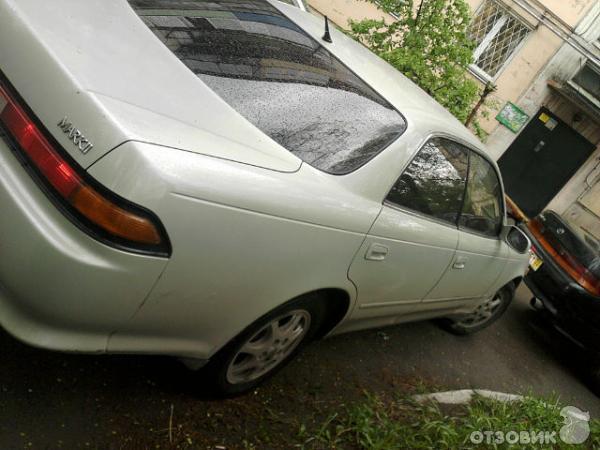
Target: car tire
<point>485,315</point>
<point>265,346</point>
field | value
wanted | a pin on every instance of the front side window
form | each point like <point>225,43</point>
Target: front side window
<point>483,207</point>
<point>434,182</point>
<point>279,78</point>
<point>497,34</point>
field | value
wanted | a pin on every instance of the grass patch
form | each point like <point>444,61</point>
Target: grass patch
<point>379,424</point>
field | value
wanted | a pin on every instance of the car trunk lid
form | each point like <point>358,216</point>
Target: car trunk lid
<point>95,76</point>
<point>567,238</point>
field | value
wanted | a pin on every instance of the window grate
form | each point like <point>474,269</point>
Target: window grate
<point>497,34</point>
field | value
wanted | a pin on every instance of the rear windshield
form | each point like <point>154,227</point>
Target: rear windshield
<point>280,79</point>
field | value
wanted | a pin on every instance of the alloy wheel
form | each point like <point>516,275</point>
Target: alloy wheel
<point>483,313</point>
<point>270,346</point>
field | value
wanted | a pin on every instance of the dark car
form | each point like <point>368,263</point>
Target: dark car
<point>564,277</point>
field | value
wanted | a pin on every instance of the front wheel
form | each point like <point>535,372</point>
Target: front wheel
<point>265,346</point>
<point>485,314</point>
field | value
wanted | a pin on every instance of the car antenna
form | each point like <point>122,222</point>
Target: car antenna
<point>327,35</point>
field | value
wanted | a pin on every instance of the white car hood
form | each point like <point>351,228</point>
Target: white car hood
<point>96,63</point>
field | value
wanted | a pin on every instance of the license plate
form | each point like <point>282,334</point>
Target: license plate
<point>535,262</point>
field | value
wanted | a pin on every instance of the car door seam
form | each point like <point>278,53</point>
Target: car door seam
<point>448,267</point>
<point>356,253</point>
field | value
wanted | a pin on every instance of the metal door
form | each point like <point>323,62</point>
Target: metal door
<point>541,161</point>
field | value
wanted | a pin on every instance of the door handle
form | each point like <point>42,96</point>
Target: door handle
<point>376,252</point>
<point>459,263</point>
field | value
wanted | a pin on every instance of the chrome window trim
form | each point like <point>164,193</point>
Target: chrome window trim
<point>419,214</point>
<point>502,203</point>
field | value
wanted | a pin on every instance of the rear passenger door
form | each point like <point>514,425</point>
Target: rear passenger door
<point>481,254</point>
<point>414,239</point>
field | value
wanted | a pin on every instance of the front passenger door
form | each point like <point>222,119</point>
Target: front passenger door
<point>481,254</point>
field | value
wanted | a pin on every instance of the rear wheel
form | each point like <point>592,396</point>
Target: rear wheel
<point>485,314</point>
<point>266,345</point>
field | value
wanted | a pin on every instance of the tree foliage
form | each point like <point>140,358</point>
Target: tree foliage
<point>428,43</point>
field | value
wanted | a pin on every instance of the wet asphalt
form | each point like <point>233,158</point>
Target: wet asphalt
<point>53,400</point>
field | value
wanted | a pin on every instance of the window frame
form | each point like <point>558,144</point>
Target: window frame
<point>456,226</point>
<point>473,67</point>
<point>574,84</point>
<point>502,200</point>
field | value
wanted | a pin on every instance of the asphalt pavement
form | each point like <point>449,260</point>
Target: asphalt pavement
<point>53,400</point>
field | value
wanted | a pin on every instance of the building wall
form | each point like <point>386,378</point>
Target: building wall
<point>341,11</point>
<point>590,130</point>
<point>565,63</point>
<point>577,199</point>
<point>570,11</point>
<point>535,52</point>
<point>522,68</point>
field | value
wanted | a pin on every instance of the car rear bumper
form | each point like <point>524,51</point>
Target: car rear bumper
<point>59,288</point>
<point>572,309</point>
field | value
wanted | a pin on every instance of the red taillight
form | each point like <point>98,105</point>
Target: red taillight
<point>58,173</point>
<point>565,260</point>
<point>118,221</point>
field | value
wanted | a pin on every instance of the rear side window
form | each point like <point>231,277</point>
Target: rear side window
<point>279,78</point>
<point>483,207</point>
<point>434,182</point>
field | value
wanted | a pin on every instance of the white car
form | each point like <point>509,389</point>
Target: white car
<point>214,181</point>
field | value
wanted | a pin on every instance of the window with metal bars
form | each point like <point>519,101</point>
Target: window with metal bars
<point>497,34</point>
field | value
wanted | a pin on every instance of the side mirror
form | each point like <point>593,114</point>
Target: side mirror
<point>516,239</point>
